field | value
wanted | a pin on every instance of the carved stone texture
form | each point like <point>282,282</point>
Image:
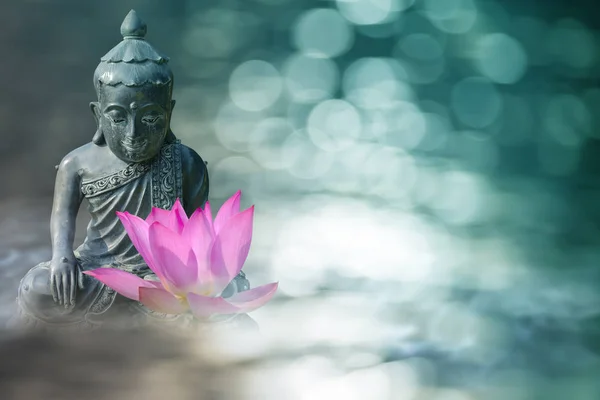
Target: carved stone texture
<point>134,162</point>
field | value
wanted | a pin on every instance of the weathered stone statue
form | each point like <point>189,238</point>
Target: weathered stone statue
<point>133,163</point>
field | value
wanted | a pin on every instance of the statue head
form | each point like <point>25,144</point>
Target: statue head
<point>134,85</point>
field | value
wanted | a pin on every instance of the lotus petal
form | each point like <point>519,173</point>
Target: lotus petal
<point>174,219</point>
<point>194,259</point>
<point>204,306</point>
<point>122,282</point>
<point>243,302</point>
<point>159,215</point>
<point>230,208</point>
<point>161,301</point>
<point>176,258</point>
<point>231,247</point>
<point>137,230</point>
<point>198,233</point>
<point>252,299</point>
<point>208,215</point>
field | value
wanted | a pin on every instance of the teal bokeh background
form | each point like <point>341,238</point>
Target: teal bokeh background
<point>425,175</point>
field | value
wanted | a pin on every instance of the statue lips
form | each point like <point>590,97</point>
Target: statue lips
<point>133,145</point>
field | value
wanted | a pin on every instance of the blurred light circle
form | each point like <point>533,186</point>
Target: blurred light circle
<point>334,125</point>
<point>233,173</point>
<point>407,126</point>
<point>421,46</point>
<point>422,57</point>
<point>388,173</point>
<point>322,32</point>
<point>451,16</point>
<point>255,85</point>
<point>476,102</point>
<point>433,107</point>
<point>501,58</point>
<point>305,160</point>
<point>372,12</point>
<point>232,125</point>
<point>418,22</point>
<point>477,151</point>
<point>460,199</point>
<point>572,43</point>
<point>401,5</point>
<point>209,42</point>
<point>344,176</point>
<point>309,79</point>
<point>369,12</point>
<point>297,114</point>
<point>375,124</point>
<point>383,30</point>
<point>424,72</point>
<point>267,139</point>
<point>375,83</point>
<point>567,119</point>
<point>493,17</point>
<point>437,130</point>
<point>437,10</point>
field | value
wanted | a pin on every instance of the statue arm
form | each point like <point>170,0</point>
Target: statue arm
<point>195,180</point>
<point>67,199</point>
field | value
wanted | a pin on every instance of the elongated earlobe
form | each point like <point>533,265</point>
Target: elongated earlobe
<point>98,138</point>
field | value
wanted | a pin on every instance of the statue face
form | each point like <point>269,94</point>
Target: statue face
<point>134,120</point>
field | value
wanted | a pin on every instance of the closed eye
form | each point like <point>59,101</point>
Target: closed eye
<point>115,118</point>
<point>150,120</point>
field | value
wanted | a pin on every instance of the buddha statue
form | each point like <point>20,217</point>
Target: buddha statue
<point>133,163</point>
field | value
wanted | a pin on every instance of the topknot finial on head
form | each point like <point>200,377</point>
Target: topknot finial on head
<point>133,48</point>
<point>133,27</point>
<point>134,61</point>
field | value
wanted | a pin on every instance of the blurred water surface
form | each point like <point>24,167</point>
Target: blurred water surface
<point>425,175</point>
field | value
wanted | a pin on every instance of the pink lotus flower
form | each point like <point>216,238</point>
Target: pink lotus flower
<point>194,259</point>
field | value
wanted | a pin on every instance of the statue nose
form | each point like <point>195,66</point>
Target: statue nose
<point>132,132</point>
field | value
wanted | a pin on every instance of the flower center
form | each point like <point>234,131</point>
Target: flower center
<point>206,290</point>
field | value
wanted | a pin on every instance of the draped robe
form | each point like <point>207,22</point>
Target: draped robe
<point>135,189</point>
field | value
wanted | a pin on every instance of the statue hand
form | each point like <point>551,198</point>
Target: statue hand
<point>65,276</point>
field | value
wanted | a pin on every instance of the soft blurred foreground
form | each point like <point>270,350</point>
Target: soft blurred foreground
<point>437,315</point>
<point>425,175</point>
<point>107,365</point>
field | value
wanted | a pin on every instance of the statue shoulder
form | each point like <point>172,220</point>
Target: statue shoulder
<point>191,162</point>
<point>195,179</point>
<point>74,161</point>
<point>79,159</point>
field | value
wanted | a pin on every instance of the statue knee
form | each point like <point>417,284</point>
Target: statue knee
<point>238,284</point>
<point>34,288</point>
